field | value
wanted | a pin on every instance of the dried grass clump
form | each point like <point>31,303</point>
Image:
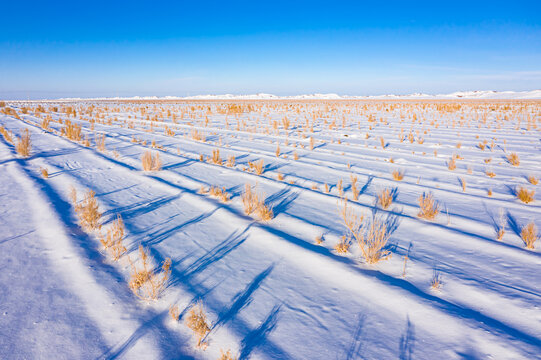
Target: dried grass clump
<point>253,202</point>
<point>147,283</point>
<point>230,161</point>
<point>198,323</point>
<point>71,131</point>
<point>227,355</point>
<point>500,227</point>
<point>45,124</point>
<point>354,188</point>
<point>87,210</point>
<point>257,166</point>
<point>513,159</point>
<point>174,312</point>
<point>113,240</point>
<point>100,142</point>
<point>490,174</point>
<point>215,159</point>
<point>6,134</point>
<point>428,207</point>
<point>385,198</point>
<point>524,195</point>
<point>398,175</point>
<point>44,173</point>
<point>371,235</point>
<point>435,282</point>
<point>529,236</point>
<point>219,193</point>
<point>452,164</point>
<point>151,163</point>
<point>24,145</point>
<point>533,180</point>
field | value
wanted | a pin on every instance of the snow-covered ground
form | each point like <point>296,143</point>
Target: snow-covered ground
<point>268,289</point>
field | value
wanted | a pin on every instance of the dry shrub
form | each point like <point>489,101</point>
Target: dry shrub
<point>513,159</point>
<point>524,195</point>
<point>198,323</point>
<point>371,235</point>
<point>87,210</point>
<point>533,180</point>
<point>219,193</point>
<point>100,142</point>
<point>354,188</point>
<point>385,198</point>
<point>230,161</point>
<point>435,282</point>
<point>342,247</point>
<point>151,163</point>
<point>216,159</point>
<point>254,202</point>
<point>6,134</point>
<point>45,124</point>
<point>428,207</point>
<point>398,175</point>
<point>227,355</point>
<point>452,164</point>
<point>257,166</point>
<point>148,283</point>
<point>340,188</point>
<point>71,131</point>
<point>174,312</point>
<point>462,184</point>
<point>44,173</point>
<point>528,234</point>
<point>112,241</point>
<point>24,145</point>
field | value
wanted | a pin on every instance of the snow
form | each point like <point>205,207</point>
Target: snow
<point>485,94</point>
<point>268,289</point>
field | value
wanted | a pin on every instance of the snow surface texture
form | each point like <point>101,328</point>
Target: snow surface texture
<point>269,291</point>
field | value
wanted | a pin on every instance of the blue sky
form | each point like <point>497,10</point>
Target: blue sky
<point>56,49</point>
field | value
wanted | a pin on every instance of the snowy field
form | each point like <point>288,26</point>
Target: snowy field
<point>288,280</point>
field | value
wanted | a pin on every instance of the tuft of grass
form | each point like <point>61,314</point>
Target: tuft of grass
<point>529,236</point>
<point>452,164</point>
<point>398,175</point>
<point>428,207</point>
<point>113,240</point>
<point>151,163</point>
<point>230,161</point>
<point>174,312</point>
<point>198,323</point>
<point>257,166</point>
<point>146,282</point>
<point>24,144</point>
<point>254,203</point>
<point>385,198</point>
<point>513,159</point>
<point>371,235</point>
<point>219,193</point>
<point>500,227</point>
<point>216,159</point>
<point>436,282</point>
<point>227,355</point>
<point>87,210</point>
<point>44,173</point>
<point>100,142</point>
<point>533,180</point>
<point>71,131</point>
<point>524,195</point>
<point>354,188</point>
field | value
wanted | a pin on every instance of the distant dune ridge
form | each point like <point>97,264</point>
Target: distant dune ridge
<point>482,94</point>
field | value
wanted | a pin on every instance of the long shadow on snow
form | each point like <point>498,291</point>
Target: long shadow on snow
<point>452,309</point>
<point>242,299</point>
<point>259,335</point>
<point>83,241</point>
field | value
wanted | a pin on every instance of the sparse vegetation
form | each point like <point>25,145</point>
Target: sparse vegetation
<point>146,282</point>
<point>197,322</point>
<point>428,207</point>
<point>151,163</point>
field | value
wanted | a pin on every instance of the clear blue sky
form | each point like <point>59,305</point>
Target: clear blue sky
<point>52,49</point>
